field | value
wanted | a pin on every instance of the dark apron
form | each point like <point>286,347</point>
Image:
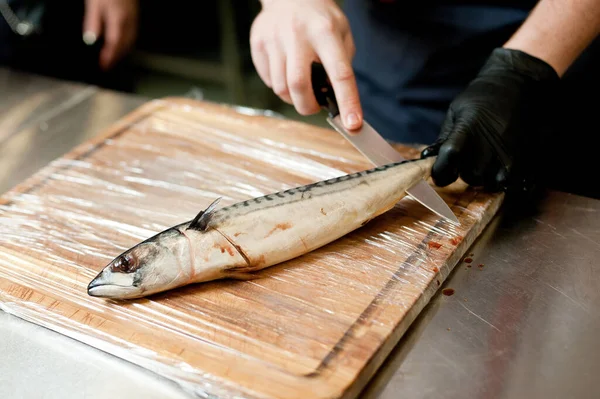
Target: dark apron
<point>412,60</point>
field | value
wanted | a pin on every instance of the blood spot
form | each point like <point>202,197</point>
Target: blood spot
<point>448,291</point>
<point>223,249</point>
<point>468,260</point>
<point>279,226</point>
<point>435,270</point>
<point>434,245</point>
<point>456,240</point>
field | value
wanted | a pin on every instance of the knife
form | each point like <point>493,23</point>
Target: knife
<point>373,146</point>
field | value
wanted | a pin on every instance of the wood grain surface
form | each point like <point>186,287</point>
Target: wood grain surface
<point>314,327</point>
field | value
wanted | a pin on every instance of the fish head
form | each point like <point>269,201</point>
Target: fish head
<point>155,265</point>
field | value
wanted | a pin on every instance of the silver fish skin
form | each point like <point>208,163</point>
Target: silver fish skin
<point>237,240</point>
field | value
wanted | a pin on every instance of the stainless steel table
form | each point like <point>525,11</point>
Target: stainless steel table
<point>524,324</point>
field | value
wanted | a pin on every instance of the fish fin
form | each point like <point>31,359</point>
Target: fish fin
<point>202,219</point>
<point>242,275</point>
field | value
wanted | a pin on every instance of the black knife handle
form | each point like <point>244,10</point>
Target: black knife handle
<point>323,90</point>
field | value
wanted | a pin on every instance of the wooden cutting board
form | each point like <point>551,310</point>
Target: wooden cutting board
<point>317,326</point>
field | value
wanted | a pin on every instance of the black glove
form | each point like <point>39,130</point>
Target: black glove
<point>492,133</point>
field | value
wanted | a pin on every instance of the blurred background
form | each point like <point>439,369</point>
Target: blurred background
<point>197,49</point>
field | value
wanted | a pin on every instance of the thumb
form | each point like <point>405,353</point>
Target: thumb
<point>92,22</point>
<point>452,142</point>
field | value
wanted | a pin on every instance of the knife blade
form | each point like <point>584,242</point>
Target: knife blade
<point>373,146</point>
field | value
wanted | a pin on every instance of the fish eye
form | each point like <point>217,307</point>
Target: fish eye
<point>124,264</point>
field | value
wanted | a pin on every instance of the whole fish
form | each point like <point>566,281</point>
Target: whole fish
<point>240,239</point>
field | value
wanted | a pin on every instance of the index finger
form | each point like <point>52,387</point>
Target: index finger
<point>337,64</point>
<point>92,23</point>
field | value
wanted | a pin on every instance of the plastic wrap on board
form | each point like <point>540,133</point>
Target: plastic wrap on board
<point>311,324</point>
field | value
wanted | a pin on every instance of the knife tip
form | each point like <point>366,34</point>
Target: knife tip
<point>454,220</point>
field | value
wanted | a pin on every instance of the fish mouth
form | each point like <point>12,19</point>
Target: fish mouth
<point>113,291</point>
<point>113,285</point>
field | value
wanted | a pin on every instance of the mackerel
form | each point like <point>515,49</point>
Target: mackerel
<point>238,240</point>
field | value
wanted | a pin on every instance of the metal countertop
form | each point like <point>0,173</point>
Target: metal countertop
<point>523,325</point>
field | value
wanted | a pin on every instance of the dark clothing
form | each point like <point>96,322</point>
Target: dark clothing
<point>412,61</point>
<point>413,58</point>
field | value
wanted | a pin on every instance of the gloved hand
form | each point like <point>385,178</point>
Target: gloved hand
<point>492,133</point>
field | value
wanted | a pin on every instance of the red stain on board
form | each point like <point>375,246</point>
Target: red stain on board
<point>468,260</point>
<point>456,240</point>
<point>435,269</point>
<point>448,291</point>
<point>434,245</point>
<point>481,265</point>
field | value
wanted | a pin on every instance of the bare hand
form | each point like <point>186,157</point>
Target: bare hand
<point>117,21</point>
<point>287,36</point>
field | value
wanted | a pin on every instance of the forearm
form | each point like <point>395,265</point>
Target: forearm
<point>557,31</point>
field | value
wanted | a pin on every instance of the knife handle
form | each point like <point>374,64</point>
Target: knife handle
<point>323,90</point>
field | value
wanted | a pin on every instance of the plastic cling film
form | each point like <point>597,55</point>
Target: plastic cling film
<point>304,326</point>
